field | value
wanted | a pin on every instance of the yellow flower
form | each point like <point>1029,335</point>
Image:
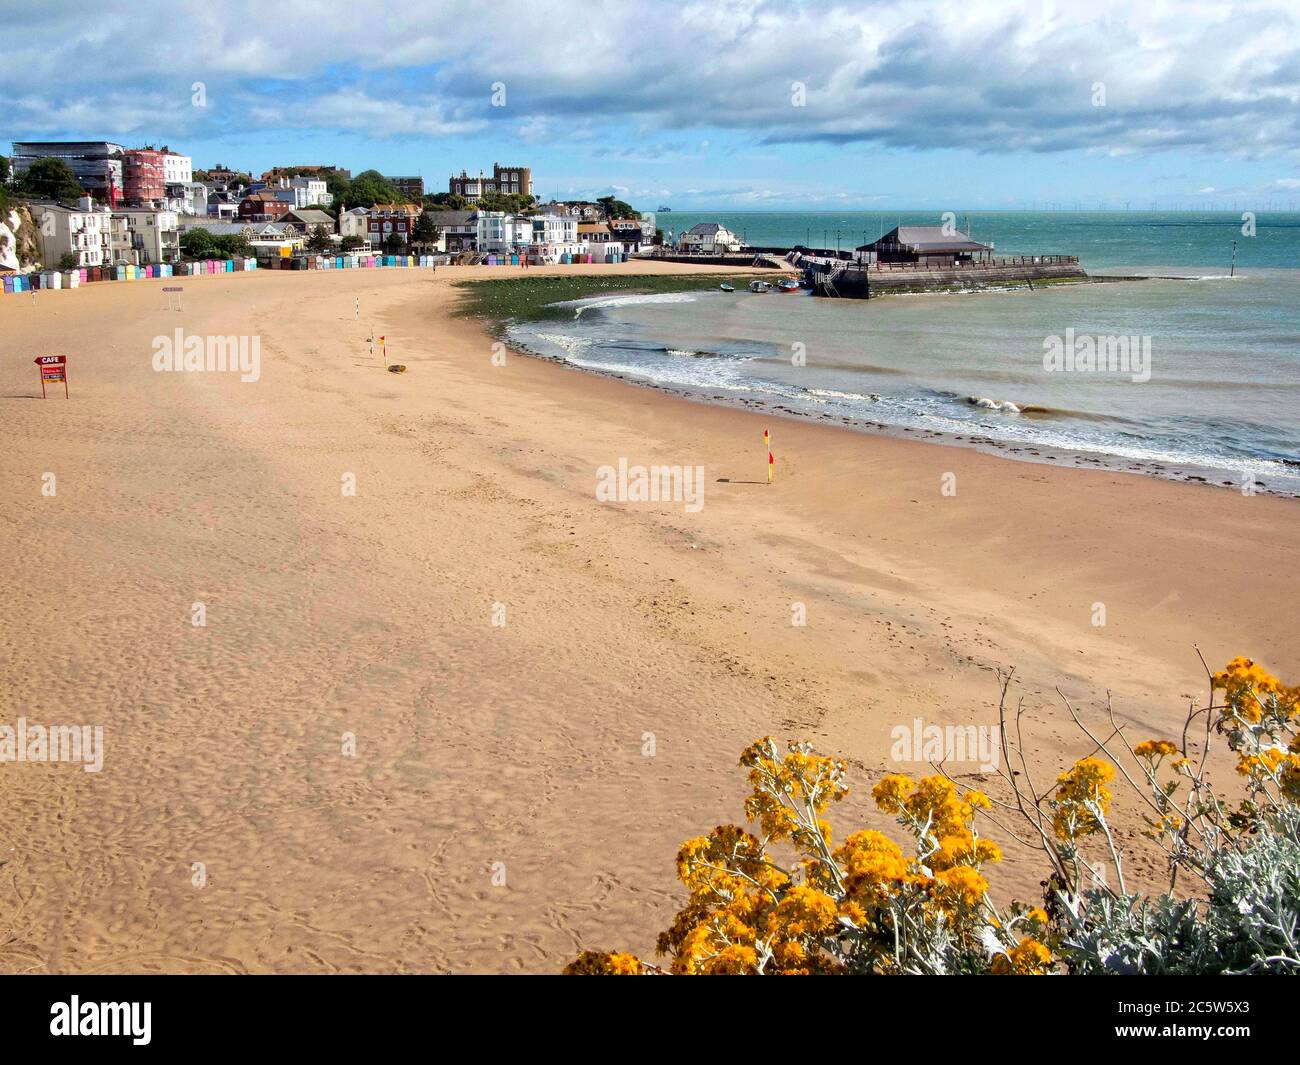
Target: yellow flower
<point>962,848</point>
<point>1153,749</point>
<point>873,865</point>
<point>1028,958</point>
<point>598,963</point>
<point>1248,689</point>
<point>803,912</point>
<point>892,792</point>
<point>1083,786</point>
<point>960,887</point>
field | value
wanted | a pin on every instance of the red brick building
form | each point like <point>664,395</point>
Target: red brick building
<point>388,218</point>
<point>143,177</point>
<point>263,207</point>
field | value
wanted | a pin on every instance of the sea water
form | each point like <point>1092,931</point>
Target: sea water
<point>1216,396</point>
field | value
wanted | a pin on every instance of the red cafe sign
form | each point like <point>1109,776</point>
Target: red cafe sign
<point>53,368</point>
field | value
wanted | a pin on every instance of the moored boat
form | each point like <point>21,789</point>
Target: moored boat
<point>726,288</point>
<point>759,286</point>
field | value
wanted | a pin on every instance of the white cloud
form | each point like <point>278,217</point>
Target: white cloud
<point>352,109</point>
<point>1200,76</point>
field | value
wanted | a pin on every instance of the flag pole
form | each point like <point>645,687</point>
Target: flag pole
<point>767,444</point>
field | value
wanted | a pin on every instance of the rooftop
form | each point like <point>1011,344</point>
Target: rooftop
<point>312,218</point>
<point>927,240</point>
<point>451,218</point>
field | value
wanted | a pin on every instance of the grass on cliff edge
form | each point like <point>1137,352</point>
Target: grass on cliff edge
<point>531,298</point>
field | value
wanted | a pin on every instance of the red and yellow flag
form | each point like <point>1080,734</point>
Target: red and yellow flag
<point>771,461</point>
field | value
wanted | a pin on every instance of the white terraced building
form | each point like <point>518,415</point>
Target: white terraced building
<point>153,236</point>
<point>499,232</point>
<point>83,231</point>
<point>355,223</point>
<point>554,237</point>
<point>177,169</point>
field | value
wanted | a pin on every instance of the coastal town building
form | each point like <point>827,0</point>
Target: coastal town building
<point>505,180</point>
<point>97,165</point>
<point>305,220</point>
<point>96,235</point>
<point>630,234</point>
<point>177,169</point>
<point>709,238</point>
<point>81,231</point>
<point>410,187</point>
<point>924,245</point>
<point>263,236</point>
<point>627,241</point>
<point>310,190</point>
<point>264,206</point>
<point>595,235</point>
<point>192,198</point>
<point>386,220</point>
<point>501,232</point>
<point>151,236</point>
<point>554,237</point>
<point>576,208</point>
<point>221,175</point>
<point>459,229</point>
<point>320,173</point>
<point>158,177</point>
<point>143,177</point>
<point>295,191</point>
<point>224,206</point>
<point>355,222</point>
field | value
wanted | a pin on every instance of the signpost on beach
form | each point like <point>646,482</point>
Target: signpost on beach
<point>53,368</point>
<point>173,297</point>
<point>771,462</point>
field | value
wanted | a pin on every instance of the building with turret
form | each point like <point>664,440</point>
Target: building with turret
<point>505,181</point>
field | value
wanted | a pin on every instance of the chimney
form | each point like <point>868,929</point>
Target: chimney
<point>86,204</point>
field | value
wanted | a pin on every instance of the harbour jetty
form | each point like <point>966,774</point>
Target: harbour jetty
<point>926,259</point>
<point>906,259</point>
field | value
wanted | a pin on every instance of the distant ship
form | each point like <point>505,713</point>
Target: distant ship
<point>668,209</point>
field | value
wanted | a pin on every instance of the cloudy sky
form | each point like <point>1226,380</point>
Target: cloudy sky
<point>743,105</point>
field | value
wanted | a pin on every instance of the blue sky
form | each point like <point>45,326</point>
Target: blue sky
<point>736,105</point>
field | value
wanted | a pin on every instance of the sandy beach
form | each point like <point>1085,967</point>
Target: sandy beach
<point>518,791</point>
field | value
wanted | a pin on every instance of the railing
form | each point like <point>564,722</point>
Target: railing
<point>966,264</point>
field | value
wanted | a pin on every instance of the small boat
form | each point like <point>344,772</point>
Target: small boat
<point>788,285</point>
<point>726,288</point>
<point>759,286</point>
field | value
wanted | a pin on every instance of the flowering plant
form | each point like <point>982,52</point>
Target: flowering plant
<point>870,906</point>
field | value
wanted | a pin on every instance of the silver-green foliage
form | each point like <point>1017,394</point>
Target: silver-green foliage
<point>1248,923</point>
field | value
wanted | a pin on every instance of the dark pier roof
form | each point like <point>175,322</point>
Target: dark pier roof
<point>925,240</point>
